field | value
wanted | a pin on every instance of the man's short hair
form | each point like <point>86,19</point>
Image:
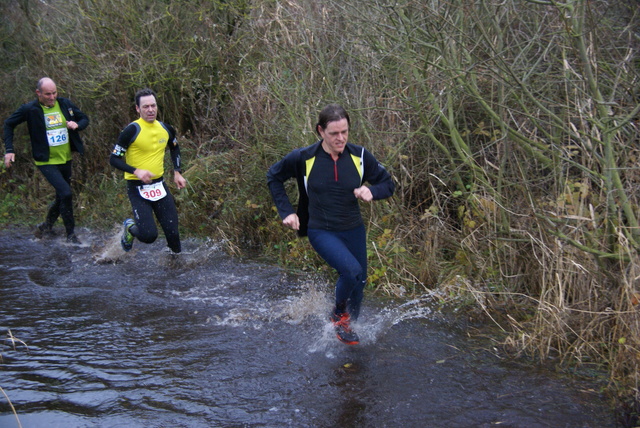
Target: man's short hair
<point>144,93</point>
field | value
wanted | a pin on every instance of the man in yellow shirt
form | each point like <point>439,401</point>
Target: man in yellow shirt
<point>139,152</point>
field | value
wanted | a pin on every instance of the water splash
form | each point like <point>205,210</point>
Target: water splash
<point>312,303</point>
<point>189,259</point>
<point>111,251</point>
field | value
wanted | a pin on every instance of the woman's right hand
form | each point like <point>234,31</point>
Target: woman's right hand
<point>292,221</point>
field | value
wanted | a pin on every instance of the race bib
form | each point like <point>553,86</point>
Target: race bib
<point>57,137</point>
<point>152,192</point>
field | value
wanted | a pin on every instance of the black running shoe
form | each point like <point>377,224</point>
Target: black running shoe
<point>127,238</point>
<point>43,229</point>
<point>73,239</point>
<point>342,324</point>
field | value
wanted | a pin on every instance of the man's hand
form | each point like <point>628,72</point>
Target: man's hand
<point>72,125</point>
<point>292,221</point>
<point>9,158</point>
<point>180,181</point>
<point>143,175</point>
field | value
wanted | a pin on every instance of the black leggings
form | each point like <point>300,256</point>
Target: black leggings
<point>59,176</point>
<point>145,229</point>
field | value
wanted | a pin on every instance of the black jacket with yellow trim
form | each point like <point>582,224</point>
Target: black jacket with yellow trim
<point>295,163</point>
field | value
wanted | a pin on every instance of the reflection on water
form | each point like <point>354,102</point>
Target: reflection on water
<point>148,339</point>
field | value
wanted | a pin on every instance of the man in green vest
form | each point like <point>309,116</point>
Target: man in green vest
<point>54,124</point>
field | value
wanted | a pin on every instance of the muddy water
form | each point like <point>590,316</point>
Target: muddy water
<point>145,339</point>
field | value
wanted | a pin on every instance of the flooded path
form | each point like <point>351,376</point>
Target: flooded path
<point>201,340</point>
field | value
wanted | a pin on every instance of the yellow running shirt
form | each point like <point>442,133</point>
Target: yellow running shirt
<point>147,150</point>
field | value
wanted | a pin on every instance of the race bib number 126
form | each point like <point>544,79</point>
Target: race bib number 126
<point>57,137</point>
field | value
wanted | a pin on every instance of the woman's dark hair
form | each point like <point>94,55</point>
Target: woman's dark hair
<point>144,93</point>
<point>331,113</point>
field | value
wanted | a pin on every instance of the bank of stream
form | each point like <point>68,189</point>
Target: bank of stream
<point>150,339</point>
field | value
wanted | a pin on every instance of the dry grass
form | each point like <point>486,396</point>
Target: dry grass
<point>13,341</point>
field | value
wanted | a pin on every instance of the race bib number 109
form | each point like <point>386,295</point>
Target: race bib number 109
<point>153,192</point>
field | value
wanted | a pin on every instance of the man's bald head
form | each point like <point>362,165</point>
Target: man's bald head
<point>47,92</point>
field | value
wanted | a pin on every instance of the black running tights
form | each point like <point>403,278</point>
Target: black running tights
<point>59,176</point>
<point>145,229</point>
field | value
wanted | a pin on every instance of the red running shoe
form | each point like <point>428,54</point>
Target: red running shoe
<point>342,324</point>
